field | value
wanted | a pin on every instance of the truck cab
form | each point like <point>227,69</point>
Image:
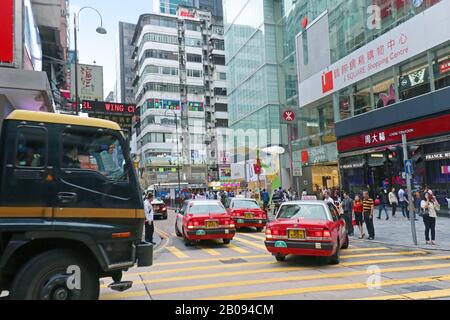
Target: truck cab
<point>71,210</point>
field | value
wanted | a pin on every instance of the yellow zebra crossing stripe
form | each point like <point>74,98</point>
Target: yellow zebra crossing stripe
<point>260,237</point>
<point>255,295</point>
<point>238,249</point>
<point>211,251</point>
<point>251,243</point>
<point>337,287</point>
<point>178,253</point>
<point>421,295</point>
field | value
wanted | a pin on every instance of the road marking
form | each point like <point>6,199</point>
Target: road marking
<point>385,254</point>
<point>421,295</point>
<point>250,243</point>
<point>354,249</point>
<point>179,289</point>
<point>211,251</point>
<point>238,249</point>
<point>177,252</point>
<point>262,238</point>
<point>338,287</point>
<point>409,259</point>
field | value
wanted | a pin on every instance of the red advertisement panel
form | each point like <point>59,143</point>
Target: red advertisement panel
<point>7,31</point>
<point>415,130</point>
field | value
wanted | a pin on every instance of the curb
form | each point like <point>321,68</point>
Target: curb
<point>427,248</point>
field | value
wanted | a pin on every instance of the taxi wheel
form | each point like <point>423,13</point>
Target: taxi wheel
<point>259,229</point>
<point>346,243</point>
<point>280,258</point>
<point>177,232</point>
<point>335,258</point>
<point>46,277</point>
<point>226,241</point>
<point>186,241</point>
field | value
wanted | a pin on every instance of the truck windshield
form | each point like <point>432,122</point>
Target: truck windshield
<point>102,153</point>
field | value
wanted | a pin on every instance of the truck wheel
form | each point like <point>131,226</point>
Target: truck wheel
<point>226,241</point>
<point>46,277</point>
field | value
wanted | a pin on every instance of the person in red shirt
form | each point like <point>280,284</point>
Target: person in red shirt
<point>358,212</point>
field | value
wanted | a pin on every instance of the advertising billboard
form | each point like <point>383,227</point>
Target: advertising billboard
<point>418,34</point>
<point>90,82</point>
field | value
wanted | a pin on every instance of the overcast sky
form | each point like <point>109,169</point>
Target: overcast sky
<point>101,48</point>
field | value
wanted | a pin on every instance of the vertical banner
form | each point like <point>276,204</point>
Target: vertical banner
<point>7,31</point>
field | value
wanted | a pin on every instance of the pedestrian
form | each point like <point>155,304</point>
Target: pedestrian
<point>265,198</point>
<point>304,193</point>
<point>403,202</point>
<point>149,217</point>
<point>430,206</point>
<point>384,200</point>
<point>393,200</point>
<point>368,206</point>
<point>417,204</point>
<point>358,212</point>
<point>327,198</point>
<point>347,206</point>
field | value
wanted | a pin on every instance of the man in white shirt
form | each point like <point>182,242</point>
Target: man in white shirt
<point>149,217</point>
<point>327,198</point>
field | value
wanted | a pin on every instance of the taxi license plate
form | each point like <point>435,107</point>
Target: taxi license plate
<point>248,215</point>
<point>296,234</point>
<point>212,224</point>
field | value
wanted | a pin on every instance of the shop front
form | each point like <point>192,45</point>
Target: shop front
<point>374,160</point>
<point>319,168</point>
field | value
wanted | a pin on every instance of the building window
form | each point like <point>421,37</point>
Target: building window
<point>190,57</point>
<point>384,89</point>
<point>222,123</point>
<point>414,78</point>
<point>194,73</point>
<point>362,98</point>
<point>218,60</point>
<point>221,107</point>
<point>441,67</point>
<point>344,101</point>
<point>222,76</point>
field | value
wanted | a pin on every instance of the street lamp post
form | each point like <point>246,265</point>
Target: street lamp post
<point>178,154</point>
<point>99,30</point>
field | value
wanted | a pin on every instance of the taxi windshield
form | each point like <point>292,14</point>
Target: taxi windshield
<point>245,204</point>
<point>200,209</point>
<point>304,212</point>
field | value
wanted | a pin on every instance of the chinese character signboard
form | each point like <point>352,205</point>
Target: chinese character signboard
<point>7,32</point>
<point>414,36</point>
<point>90,82</point>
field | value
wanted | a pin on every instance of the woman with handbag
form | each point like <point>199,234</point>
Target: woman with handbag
<point>430,206</point>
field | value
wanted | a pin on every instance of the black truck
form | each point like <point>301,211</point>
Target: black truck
<point>71,210</point>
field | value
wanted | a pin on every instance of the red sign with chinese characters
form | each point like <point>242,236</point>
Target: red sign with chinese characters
<point>327,82</point>
<point>414,130</point>
<point>6,31</point>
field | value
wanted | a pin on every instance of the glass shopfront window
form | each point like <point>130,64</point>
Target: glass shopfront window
<point>344,100</point>
<point>316,126</point>
<point>362,97</point>
<point>384,89</point>
<point>414,78</point>
<point>441,66</point>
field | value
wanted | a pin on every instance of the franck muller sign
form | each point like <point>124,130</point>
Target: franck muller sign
<point>437,156</point>
<point>418,34</point>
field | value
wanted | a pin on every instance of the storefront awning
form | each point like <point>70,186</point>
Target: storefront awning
<point>27,90</point>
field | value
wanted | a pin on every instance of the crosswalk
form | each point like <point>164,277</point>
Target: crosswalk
<point>245,270</point>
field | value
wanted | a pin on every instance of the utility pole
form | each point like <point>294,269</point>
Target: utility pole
<point>408,171</point>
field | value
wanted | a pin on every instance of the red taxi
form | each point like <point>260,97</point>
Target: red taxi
<point>204,220</point>
<point>307,228</point>
<point>247,213</point>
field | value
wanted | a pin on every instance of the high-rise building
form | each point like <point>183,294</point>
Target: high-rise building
<point>318,44</point>
<point>180,83</point>
<point>170,6</point>
<point>124,91</point>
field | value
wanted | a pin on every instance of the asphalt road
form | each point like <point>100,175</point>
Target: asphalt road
<point>245,270</point>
